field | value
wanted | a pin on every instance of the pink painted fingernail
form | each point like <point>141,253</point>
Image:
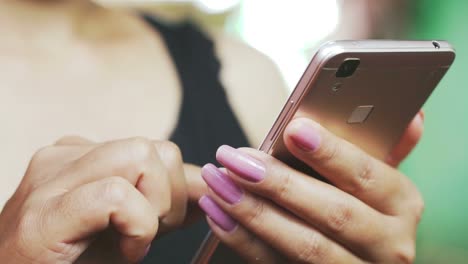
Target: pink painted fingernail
<point>221,184</point>
<point>305,136</point>
<point>241,163</point>
<point>215,213</point>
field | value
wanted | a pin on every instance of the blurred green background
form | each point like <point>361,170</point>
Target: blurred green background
<point>439,165</point>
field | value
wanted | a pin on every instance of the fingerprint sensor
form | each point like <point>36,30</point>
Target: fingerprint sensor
<point>360,114</point>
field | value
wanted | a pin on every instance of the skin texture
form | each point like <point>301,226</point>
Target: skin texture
<point>88,202</point>
<point>121,193</point>
<point>367,213</point>
<point>74,190</point>
<point>77,84</point>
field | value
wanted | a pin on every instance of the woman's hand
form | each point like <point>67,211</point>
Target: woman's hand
<point>109,198</point>
<point>271,213</point>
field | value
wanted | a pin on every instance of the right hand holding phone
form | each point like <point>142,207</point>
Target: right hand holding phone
<point>271,213</point>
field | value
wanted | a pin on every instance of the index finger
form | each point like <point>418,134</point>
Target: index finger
<point>135,160</point>
<point>77,215</point>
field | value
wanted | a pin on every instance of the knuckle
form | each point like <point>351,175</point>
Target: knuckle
<point>419,206</point>
<point>339,217</point>
<point>39,168</point>
<point>404,253</point>
<point>254,215</point>
<point>65,139</point>
<point>139,153</point>
<point>170,152</point>
<point>115,190</point>
<point>414,203</point>
<point>365,175</point>
<point>140,148</point>
<point>42,155</point>
<point>283,188</point>
<point>311,250</point>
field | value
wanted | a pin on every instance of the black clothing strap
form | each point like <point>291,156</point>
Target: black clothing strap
<point>206,121</point>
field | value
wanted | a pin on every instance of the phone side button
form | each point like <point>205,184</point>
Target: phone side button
<point>284,118</point>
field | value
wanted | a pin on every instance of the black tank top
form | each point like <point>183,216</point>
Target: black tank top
<point>206,121</point>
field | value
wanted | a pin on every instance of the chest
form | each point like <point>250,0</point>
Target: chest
<point>97,98</point>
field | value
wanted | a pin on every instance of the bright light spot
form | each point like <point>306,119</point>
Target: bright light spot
<point>285,30</point>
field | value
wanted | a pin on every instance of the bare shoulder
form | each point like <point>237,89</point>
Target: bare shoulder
<point>253,83</point>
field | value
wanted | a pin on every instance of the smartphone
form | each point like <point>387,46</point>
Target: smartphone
<point>364,91</point>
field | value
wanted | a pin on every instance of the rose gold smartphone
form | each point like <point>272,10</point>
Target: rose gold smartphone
<point>365,91</point>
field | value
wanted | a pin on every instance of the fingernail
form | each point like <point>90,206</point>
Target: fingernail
<point>305,136</point>
<point>221,184</point>
<point>240,163</point>
<point>215,213</point>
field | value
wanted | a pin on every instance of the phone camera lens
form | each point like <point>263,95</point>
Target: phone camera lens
<point>347,68</point>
